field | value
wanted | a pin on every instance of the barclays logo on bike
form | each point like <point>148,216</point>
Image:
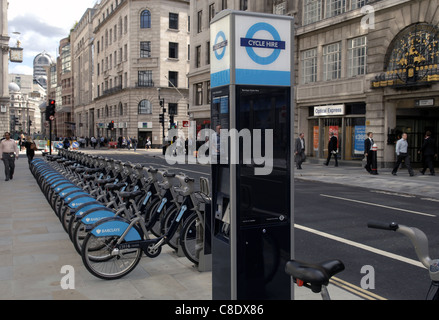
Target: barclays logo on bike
<point>110,230</point>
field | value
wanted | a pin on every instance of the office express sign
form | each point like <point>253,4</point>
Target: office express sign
<point>263,50</point>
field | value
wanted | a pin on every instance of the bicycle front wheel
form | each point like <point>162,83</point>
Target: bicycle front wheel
<point>190,240</point>
<point>102,261</point>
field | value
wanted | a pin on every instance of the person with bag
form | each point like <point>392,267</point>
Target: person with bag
<point>31,147</point>
<point>300,151</point>
<point>428,151</point>
<point>332,149</point>
<point>8,153</point>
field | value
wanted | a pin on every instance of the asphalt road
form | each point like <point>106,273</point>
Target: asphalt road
<point>331,223</point>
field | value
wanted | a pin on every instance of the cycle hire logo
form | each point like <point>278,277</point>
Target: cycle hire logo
<point>275,44</point>
<point>263,51</point>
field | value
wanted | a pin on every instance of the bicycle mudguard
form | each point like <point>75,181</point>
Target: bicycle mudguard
<point>75,194</point>
<point>96,216</point>
<point>63,186</point>
<point>66,193</point>
<point>80,201</point>
<point>115,227</point>
<point>88,207</point>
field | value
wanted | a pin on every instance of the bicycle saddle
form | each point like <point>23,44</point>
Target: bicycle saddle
<point>317,275</point>
<point>130,194</point>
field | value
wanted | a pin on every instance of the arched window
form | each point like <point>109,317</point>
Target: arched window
<point>145,107</point>
<point>145,19</point>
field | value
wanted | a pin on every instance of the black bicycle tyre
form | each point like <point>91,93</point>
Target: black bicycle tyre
<point>187,235</point>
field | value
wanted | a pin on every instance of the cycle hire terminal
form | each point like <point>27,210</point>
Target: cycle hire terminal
<point>252,162</point>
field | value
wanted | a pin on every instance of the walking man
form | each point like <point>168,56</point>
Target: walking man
<point>428,152</point>
<point>402,155</point>
<point>368,144</point>
<point>332,149</point>
<point>300,151</point>
<point>8,153</point>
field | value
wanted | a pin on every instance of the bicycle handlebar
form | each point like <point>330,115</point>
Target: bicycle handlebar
<point>416,236</point>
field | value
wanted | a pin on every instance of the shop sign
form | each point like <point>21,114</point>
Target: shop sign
<point>424,103</point>
<point>336,110</point>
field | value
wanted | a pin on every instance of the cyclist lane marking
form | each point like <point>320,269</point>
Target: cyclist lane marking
<point>379,205</point>
<point>361,246</point>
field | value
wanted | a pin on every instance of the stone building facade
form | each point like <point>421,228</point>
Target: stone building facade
<point>4,60</point>
<point>367,66</point>
<point>132,48</point>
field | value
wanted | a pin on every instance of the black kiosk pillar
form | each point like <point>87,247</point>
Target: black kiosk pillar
<point>252,155</point>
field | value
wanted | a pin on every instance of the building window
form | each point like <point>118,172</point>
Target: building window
<point>145,49</point>
<point>198,57</point>
<point>355,4</point>
<point>173,50</point>
<point>145,19</point>
<point>208,53</point>
<point>309,66</point>
<point>243,5</point>
<point>332,61</point>
<point>173,21</point>
<point>312,11</point>
<point>211,11</point>
<point>145,107</point>
<point>199,94</point>
<point>145,79</point>
<point>357,56</point>
<point>173,79</point>
<point>335,7</point>
<point>173,108</point>
<point>200,21</point>
<point>223,4</point>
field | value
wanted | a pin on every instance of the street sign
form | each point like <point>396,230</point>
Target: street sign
<point>52,118</point>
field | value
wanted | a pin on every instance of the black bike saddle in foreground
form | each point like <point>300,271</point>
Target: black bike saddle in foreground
<point>312,275</point>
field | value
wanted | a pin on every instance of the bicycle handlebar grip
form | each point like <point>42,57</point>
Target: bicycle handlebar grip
<point>393,226</point>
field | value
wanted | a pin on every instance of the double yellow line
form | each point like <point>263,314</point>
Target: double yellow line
<point>355,290</point>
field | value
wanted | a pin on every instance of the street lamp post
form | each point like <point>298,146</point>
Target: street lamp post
<point>162,119</point>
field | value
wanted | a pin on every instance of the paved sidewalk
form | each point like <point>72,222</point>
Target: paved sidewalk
<point>34,247</point>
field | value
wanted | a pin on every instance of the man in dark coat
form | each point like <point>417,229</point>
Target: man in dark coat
<point>300,150</point>
<point>428,151</point>
<point>332,149</point>
<point>368,144</point>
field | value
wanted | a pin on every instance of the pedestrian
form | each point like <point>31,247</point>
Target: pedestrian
<point>300,151</point>
<point>93,142</point>
<point>368,154</point>
<point>30,146</point>
<point>8,153</point>
<point>332,149</point>
<point>134,143</point>
<point>66,143</point>
<point>148,143</point>
<point>428,151</point>
<point>402,155</point>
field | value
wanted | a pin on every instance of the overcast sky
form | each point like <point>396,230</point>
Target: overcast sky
<point>41,24</point>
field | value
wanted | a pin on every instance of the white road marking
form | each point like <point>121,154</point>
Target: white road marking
<point>362,246</point>
<point>380,205</point>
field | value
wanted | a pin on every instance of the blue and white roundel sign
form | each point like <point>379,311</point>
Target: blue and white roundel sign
<point>275,44</point>
<point>220,46</point>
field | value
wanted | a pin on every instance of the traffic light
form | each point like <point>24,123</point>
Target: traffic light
<point>111,125</point>
<point>171,122</point>
<point>16,121</point>
<point>50,109</point>
<point>162,118</point>
<point>30,122</point>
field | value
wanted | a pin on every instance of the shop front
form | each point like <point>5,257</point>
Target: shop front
<point>348,123</point>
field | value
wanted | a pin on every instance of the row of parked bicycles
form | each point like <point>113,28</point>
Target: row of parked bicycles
<point>114,212</point>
